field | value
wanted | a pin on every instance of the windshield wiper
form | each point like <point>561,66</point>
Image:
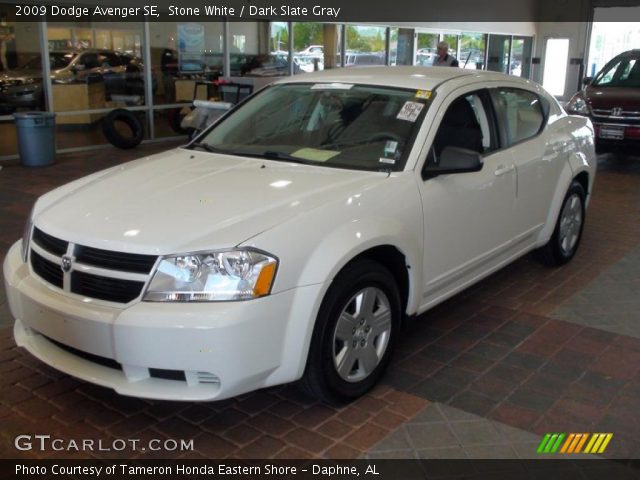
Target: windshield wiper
<point>269,155</point>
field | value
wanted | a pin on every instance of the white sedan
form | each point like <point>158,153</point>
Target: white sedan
<point>289,241</point>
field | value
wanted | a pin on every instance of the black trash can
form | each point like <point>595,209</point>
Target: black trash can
<point>36,138</point>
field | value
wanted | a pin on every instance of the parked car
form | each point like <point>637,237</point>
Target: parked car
<point>612,100</point>
<point>313,51</point>
<point>291,238</point>
<point>122,74</point>
<point>358,59</point>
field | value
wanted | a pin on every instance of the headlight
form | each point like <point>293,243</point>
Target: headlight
<point>578,105</point>
<point>26,236</point>
<point>213,277</point>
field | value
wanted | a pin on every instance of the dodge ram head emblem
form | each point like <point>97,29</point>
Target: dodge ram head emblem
<point>66,263</point>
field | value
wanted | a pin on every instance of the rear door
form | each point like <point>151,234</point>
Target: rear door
<point>521,116</point>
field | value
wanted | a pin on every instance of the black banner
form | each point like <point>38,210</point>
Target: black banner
<point>382,11</point>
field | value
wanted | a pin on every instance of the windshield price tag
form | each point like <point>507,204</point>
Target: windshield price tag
<point>424,94</point>
<point>388,161</point>
<point>410,111</point>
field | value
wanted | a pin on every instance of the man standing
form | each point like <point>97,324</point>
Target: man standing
<point>444,59</point>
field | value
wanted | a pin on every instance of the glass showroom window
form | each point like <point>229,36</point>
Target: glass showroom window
<point>521,56</point>
<point>187,62</point>
<point>258,49</point>
<point>499,52</point>
<point>401,46</point>
<point>452,40</point>
<point>365,46</point>
<point>94,68</point>
<point>426,48</point>
<point>472,50</point>
<point>20,75</point>
<point>316,46</point>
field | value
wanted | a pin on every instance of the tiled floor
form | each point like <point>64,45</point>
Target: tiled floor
<point>530,350</point>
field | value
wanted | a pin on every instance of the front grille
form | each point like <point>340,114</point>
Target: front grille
<point>105,288</point>
<point>126,262</point>
<point>620,116</point>
<point>121,280</point>
<point>49,271</point>
<point>50,244</point>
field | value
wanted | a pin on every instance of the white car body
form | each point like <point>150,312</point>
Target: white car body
<point>452,230</point>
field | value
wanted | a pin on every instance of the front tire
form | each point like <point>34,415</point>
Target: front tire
<point>565,240</point>
<point>354,335</point>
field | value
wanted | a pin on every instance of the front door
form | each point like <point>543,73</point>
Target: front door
<point>467,216</point>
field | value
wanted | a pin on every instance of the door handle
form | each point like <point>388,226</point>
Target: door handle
<point>502,169</point>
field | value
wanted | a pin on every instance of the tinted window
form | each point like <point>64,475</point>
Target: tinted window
<point>465,124</point>
<point>520,113</point>
<point>622,73</point>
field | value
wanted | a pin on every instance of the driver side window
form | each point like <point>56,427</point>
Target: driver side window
<point>465,124</point>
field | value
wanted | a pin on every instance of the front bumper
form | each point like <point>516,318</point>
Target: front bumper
<point>219,350</point>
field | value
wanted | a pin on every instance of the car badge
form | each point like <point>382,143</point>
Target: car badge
<point>66,263</point>
<point>616,112</point>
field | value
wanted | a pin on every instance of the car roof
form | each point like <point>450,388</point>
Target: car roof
<point>426,78</point>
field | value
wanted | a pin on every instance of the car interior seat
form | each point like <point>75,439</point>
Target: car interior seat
<point>459,128</point>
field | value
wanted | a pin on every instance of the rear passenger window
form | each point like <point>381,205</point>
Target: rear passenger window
<point>520,113</point>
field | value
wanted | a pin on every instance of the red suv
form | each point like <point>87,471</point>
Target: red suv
<point>612,100</point>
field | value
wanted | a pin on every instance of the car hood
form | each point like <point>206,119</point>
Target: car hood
<point>20,75</point>
<point>609,97</point>
<point>185,200</point>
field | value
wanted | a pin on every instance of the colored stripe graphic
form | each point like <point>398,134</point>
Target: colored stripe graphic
<point>568,442</point>
<point>582,442</point>
<point>543,443</point>
<point>573,442</point>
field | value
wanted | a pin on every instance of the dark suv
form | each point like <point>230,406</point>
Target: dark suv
<point>121,73</point>
<point>612,100</point>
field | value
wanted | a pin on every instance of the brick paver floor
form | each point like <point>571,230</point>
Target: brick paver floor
<point>488,372</point>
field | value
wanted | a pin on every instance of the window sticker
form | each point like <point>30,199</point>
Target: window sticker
<point>410,111</point>
<point>390,148</point>
<point>388,161</point>
<point>424,94</point>
<point>315,154</point>
<point>332,86</point>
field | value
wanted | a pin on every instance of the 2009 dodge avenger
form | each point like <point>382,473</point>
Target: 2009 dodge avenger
<point>290,239</point>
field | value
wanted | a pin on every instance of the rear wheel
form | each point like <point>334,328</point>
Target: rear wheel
<point>354,333</point>
<point>565,240</point>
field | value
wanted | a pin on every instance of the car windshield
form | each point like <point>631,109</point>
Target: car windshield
<point>333,124</point>
<point>624,72</point>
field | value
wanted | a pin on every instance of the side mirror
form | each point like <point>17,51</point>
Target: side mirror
<point>78,68</point>
<point>586,81</point>
<point>454,160</point>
